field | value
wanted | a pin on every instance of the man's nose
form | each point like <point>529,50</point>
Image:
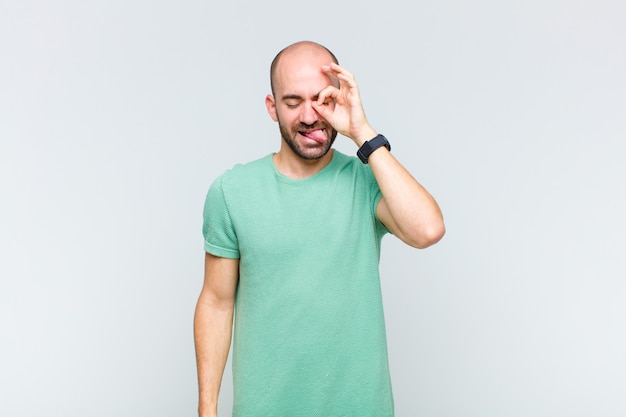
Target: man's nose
<point>308,115</point>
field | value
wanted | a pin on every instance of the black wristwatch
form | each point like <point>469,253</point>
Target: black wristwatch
<point>370,146</point>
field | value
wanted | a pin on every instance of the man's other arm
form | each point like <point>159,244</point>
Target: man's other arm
<point>213,323</point>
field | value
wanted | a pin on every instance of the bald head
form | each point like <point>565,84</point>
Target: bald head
<point>300,50</point>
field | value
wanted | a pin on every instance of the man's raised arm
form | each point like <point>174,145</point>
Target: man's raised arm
<point>406,208</point>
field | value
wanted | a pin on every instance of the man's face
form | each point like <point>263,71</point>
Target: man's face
<point>308,141</point>
<point>298,82</point>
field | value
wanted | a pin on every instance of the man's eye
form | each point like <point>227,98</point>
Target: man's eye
<point>291,105</point>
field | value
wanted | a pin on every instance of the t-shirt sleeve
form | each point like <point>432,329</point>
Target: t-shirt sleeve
<point>219,234</point>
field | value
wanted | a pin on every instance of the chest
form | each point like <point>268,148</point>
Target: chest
<point>287,220</point>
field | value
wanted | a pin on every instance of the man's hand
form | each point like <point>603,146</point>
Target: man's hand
<point>346,115</point>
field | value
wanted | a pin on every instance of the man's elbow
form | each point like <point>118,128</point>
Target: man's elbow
<point>426,236</point>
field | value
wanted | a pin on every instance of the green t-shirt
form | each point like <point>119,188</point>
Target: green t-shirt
<point>309,336</point>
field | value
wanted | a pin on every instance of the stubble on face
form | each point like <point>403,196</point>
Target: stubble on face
<point>304,151</point>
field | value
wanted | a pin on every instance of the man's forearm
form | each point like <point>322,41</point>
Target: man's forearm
<point>412,213</point>
<point>213,324</point>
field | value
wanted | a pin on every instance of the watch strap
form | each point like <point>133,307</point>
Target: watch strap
<point>370,146</point>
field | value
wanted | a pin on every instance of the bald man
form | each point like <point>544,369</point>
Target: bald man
<point>292,244</point>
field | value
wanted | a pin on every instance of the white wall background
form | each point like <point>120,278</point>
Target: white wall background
<point>115,116</point>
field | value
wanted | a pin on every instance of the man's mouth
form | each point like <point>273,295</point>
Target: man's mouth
<point>316,135</point>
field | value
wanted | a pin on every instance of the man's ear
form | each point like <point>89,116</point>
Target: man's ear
<point>270,104</point>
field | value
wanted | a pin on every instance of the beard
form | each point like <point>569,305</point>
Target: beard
<point>308,152</point>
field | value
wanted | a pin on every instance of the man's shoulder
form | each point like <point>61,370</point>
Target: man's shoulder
<point>247,171</point>
<point>262,170</point>
<point>341,159</point>
<point>345,163</point>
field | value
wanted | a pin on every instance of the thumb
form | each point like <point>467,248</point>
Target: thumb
<point>322,109</point>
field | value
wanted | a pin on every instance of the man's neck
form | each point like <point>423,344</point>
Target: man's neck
<point>294,166</point>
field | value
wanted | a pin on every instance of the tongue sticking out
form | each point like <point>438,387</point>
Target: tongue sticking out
<point>316,135</point>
